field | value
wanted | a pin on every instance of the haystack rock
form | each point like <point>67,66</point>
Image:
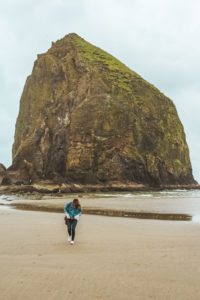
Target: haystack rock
<point>85,117</point>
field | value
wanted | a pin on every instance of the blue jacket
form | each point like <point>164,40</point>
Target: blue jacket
<point>71,210</point>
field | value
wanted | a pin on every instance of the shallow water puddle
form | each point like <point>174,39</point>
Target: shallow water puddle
<point>5,207</point>
<point>196,219</point>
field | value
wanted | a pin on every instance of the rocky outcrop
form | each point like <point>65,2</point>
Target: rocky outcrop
<point>2,168</point>
<point>87,118</point>
<point>2,172</point>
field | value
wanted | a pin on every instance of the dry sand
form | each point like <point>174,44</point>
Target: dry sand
<point>112,258</point>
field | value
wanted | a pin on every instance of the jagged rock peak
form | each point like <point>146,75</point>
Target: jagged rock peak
<point>86,117</point>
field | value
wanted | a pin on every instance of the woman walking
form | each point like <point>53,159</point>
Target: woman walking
<point>72,213</point>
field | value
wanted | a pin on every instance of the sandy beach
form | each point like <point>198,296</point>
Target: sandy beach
<point>112,258</point>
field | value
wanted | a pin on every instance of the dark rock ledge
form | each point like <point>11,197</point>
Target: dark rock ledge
<point>79,188</point>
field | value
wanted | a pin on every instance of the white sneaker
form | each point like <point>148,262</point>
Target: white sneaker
<point>72,242</point>
<point>69,238</point>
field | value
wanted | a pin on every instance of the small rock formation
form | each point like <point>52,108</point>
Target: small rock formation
<point>2,168</point>
<point>2,172</point>
<point>19,176</point>
<point>87,118</point>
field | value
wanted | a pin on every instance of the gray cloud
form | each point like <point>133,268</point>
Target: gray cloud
<point>157,39</point>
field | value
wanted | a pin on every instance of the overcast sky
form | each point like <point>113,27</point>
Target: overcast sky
<point>160,40</point>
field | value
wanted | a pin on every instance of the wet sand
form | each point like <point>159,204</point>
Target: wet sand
<point>147,206</point>
<point>112,258</point>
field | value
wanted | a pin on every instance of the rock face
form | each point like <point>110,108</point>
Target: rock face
<point>85,117</point>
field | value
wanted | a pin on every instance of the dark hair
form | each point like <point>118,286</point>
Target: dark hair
<point>76,202</point>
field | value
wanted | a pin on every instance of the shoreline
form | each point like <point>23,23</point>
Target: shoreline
<point>128,205</point>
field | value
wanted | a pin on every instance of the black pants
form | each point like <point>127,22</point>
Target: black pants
<point>71,225</point>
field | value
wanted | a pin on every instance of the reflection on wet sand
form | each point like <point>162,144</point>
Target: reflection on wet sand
<point>177,205</point>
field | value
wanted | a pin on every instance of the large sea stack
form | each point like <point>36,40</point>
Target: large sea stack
<point>85,117</point>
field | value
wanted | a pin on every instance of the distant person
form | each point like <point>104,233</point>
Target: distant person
<point>72,213</point>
